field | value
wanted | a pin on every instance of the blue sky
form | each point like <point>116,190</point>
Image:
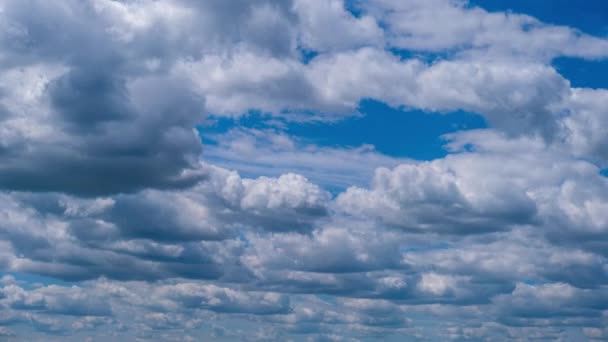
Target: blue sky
<point>588,17</point>
<point>303,170</point>
<point>413,133</point>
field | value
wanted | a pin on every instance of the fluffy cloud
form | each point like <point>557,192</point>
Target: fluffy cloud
<point>319,17</point>
<point>586,127</point>
<point>440,25</point>
<point>444,195</point>
<point>161,233</point>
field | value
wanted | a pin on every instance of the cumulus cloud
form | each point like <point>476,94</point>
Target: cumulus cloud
<point>434,196</point>
<point>319,17</point>
<point>439,25</point>
<point>188,233</point>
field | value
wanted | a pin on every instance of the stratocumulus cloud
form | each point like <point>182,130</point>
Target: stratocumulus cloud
<point>242,170</point>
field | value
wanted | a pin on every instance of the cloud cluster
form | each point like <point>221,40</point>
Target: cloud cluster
<point>114,224</point>
<point>455,25</point>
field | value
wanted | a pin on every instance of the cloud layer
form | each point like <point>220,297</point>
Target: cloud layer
<point>115,224</point>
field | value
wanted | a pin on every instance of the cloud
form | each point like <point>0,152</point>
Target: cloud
<point>224,300</point>
<point>272,152</point>
<point>585,127</point>
<point>116,224</point>
<point>440,196</point>
<point>56,300</point>
<point>456,25</point>
<point>533,302</point>
<point>189,233</point>
<point>517,97</point>
<point>79,155</point>
<point>316,18</point>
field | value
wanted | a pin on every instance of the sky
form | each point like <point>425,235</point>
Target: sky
<point>303,170</point>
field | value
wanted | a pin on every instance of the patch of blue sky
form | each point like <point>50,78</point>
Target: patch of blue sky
<point>424,56</point>
<point>353,7</point>
<point>589,16</point>
<point>307,55</point>
<point>394,132</point>
<point>218,125</point>
<point>535,282</point>
<point>327,298</point>
<point>422,249</point>
<point>583,73</point>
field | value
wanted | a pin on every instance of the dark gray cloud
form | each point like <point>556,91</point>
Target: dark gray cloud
<point>105,144</point>
<point>107,131</point>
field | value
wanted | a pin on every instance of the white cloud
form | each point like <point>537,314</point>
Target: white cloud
<point>318,17</point>
<point>439,25</point>
<point>270,152</point>
<point>436,284</point>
